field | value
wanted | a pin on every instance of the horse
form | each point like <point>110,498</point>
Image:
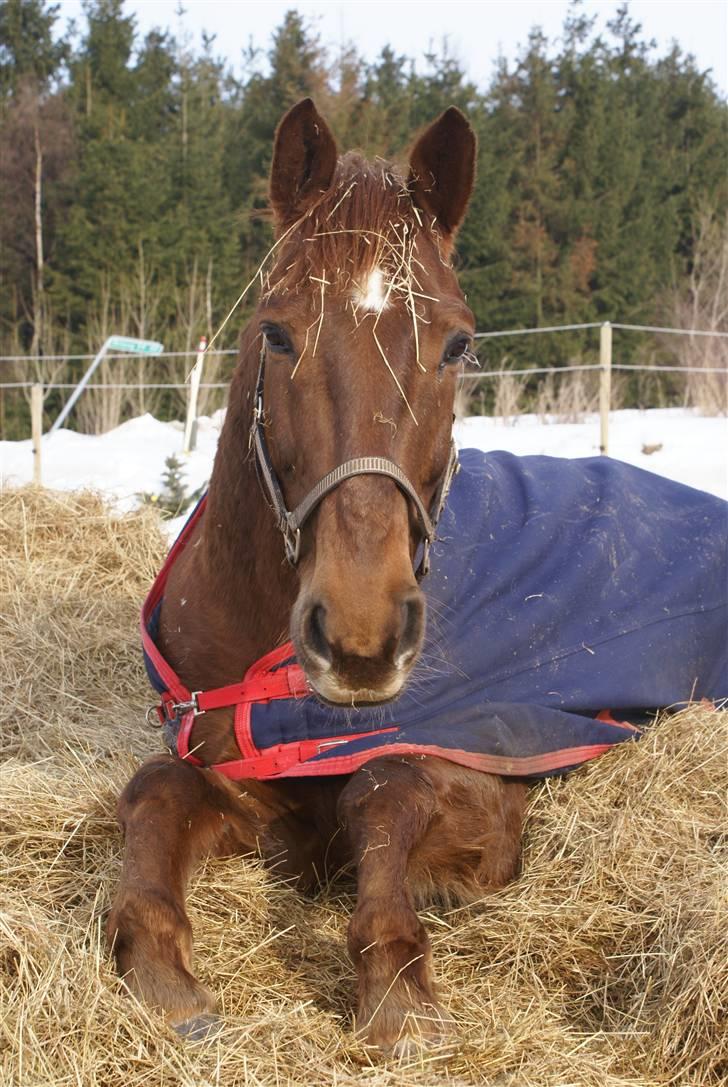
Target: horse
<point>363,329</point>
<point>580,585</point>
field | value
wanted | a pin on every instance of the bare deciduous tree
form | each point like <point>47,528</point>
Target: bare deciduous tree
<point>37,139</point>
<point>703,304</point>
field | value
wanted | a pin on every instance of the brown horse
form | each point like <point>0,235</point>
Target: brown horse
<point>362,328</point>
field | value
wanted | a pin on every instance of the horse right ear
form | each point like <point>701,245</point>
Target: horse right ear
<point>304,160</point>
<point>442,171</point>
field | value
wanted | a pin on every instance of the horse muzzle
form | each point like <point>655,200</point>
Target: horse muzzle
<point>363,654</point>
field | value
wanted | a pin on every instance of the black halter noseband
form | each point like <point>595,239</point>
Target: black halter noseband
<point>291,522</point>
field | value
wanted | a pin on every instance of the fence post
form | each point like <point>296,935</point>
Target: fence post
<point>605,385</point>
<point>190,439</point>
<point>36,422</point>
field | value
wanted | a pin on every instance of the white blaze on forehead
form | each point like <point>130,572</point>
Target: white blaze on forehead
<point>372,295</point>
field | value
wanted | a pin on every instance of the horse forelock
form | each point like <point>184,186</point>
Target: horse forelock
<point>364,237</point>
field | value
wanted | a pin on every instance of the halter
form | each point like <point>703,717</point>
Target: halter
<point>290,522</point>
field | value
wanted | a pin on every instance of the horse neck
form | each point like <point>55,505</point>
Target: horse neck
<point>242,548</point>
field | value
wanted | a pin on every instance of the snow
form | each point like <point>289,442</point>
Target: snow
<point>694,447</point>
<point>130,459</point>
<point>121,464</point>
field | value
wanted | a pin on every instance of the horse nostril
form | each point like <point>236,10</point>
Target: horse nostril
<point>315,633</point>
<point>413,615</point>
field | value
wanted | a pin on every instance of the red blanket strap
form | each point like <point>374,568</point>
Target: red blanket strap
<point>277,760</point>
<point>287,682</point>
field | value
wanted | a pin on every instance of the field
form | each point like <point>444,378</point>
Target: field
<point>604,965</point>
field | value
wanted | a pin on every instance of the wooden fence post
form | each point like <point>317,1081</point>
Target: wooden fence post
<point>190,438</point>
<point>36,422</point>
<point>605,385</point>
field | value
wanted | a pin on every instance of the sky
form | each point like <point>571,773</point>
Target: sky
<point>477,31</point>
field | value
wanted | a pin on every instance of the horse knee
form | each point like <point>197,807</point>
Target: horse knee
<point>161,779</point>
<point>398,785</point>
<point>392,956</point>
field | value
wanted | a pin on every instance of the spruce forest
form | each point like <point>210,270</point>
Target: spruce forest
<point>133,179</point>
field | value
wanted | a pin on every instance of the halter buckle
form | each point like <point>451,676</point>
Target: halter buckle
<point>424,567</point>
<point>292,541</point>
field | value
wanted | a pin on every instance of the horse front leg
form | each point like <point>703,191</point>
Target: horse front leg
<point>172,815</point>
<point>386,809</point>
<point>419,828</point>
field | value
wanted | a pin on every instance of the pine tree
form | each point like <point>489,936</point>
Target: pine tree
<point>528,113</point>
<point>29,48</point>
<point>133,177</point>
<point>112,235</point>
<point>388,94</point>
<point>296,69</point>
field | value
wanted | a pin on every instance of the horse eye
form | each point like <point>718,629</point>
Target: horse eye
<point>277,340</point>
<point>456,350</point>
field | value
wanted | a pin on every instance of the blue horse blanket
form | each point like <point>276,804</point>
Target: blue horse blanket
<point>558,589</point>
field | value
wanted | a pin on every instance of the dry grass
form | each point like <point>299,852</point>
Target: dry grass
<point>559,397</point>
<point>603,966</point>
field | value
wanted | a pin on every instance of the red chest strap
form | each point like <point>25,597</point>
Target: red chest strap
<point>267,679</point>
<point>289,682</point>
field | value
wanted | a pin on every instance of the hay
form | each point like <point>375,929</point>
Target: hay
<point>603,965</point>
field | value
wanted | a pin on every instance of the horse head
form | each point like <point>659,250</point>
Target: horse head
<point>362,330</point>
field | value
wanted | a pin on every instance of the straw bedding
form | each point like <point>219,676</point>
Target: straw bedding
<point>604,964</point>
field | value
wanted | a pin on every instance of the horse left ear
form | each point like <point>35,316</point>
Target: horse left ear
<point>304,161</point>
<point>442,170</point>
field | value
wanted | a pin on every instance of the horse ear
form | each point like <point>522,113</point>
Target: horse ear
<point>442,170</point>
<point>304,160</point>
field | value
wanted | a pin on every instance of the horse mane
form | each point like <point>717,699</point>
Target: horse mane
<point>366,220</point>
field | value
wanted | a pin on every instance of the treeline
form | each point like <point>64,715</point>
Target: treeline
<point>133,172</point>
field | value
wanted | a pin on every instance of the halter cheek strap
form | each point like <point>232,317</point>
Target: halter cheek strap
<point>291,523</point>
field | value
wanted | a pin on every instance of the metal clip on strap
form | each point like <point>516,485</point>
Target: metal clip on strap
<point>182,708</point>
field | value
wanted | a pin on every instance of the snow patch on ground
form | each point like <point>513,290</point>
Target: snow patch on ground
<point>122,463</point>
<point>130,459</point>
<point>694,447</point>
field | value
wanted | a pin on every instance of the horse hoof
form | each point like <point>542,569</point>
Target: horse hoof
<point>200,1028</point>
<point>419,1034</point>
<point>418,1045</point>
<point>409,1048</point>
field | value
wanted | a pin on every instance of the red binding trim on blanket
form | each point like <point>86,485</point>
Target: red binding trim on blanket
<point>268,679</point>
<point>487,764</point>
<point>174,685</point>
<point>606,716</point>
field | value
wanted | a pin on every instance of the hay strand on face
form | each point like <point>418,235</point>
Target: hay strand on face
<point>387,363</point>
<point>258,274</point>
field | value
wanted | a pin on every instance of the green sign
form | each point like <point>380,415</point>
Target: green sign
<point>136,347</point>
